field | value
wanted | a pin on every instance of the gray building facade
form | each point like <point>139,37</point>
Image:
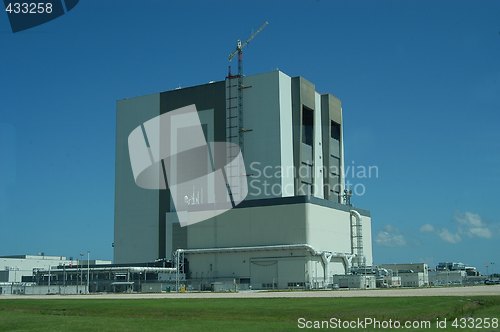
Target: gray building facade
<point>291,138</point>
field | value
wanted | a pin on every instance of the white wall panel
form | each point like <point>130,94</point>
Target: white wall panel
<point>318,150</point>
<point>286,135</point>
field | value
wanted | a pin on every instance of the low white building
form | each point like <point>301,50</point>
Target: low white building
<point>444,278</point>
<point>391,281</point>
<point>413,279</point>
<point>354,281</point>
<point>412,274</point>
<point>14,268</point>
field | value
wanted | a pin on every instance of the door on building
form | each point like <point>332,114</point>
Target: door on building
<point>264,273</point>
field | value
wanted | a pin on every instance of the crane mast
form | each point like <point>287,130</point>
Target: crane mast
<point>235,129</point>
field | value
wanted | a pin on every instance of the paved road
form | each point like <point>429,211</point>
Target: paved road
<point>448,291</point>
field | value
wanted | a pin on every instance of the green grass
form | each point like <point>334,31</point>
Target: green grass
<point>220,315</point>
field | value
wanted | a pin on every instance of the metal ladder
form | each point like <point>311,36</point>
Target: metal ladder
<point>234,133</point>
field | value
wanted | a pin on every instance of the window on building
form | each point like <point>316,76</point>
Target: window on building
<point>244,280</point>
<point>307,126</point>
<point>269,285</point>
<point>296,284</point>
<point>335,130</point>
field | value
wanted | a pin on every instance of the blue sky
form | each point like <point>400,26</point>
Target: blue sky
<point>419,82</point>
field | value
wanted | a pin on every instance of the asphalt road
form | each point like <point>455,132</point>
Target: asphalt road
<point>445,291</point>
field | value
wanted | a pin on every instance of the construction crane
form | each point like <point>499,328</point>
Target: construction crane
<point>239,49</point>
<point>235,129</point>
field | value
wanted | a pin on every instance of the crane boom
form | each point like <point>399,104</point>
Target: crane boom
<point>255,34</point>
<point>240,45</point>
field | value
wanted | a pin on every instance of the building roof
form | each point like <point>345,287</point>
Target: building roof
<point>58,258</point>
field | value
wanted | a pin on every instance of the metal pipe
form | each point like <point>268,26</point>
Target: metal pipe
<point>131,269</point>
<point>261,248</point>
<point>342,166</point>
<point>357,237</point>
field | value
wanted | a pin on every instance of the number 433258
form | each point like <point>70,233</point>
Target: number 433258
<point>29,8</point>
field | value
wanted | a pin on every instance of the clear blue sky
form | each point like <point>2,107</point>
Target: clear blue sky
<point>419,82</point>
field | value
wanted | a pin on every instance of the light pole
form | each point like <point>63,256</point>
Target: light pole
<point>81,271</point>
<point>76,275</point>
<point>88,271</point>
<point>64,278</point>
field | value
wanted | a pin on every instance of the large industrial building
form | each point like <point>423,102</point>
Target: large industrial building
<point>294,227</point>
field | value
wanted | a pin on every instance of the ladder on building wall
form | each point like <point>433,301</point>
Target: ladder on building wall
<point>234,133</point>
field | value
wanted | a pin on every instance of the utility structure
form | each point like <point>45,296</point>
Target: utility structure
<point>235,129</point>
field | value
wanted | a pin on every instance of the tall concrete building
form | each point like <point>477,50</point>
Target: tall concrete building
<point>292,228</point>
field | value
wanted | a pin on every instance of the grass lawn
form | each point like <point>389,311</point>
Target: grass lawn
<point>280,314</point>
